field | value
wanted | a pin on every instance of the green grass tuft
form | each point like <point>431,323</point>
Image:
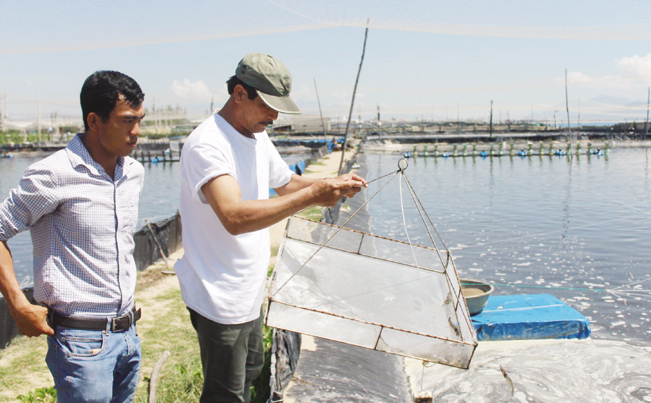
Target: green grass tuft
<point>40,395</point>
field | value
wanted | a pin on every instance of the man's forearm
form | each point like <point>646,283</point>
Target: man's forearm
<point>30,319</point>
<point>296,183</point>
<point>9,286</point>
<point>241,216</point>
<point>253,215</point>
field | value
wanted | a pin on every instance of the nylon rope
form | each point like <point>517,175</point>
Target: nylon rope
<point>423,213</point>
<point>404,219</point>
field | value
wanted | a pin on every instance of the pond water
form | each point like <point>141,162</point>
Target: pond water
<point>578,228</point>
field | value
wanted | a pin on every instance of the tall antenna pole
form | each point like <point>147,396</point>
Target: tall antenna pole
<point>532,116</point>
<point>379,123</point>
<point>155,115</point>
<point>578,119</point>
<point>491,121</point>
<point>352,103</point>
<point>38,118</point>
<point>325,135</point>
<point>567,108</point>
<point>458,124</point>
<point>646,124</point>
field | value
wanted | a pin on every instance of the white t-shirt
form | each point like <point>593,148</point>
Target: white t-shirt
<point>223,276</point>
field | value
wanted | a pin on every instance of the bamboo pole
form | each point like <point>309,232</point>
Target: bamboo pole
<point>567,108</point>
<point>491,121</point>
<point>646,124</point>
<point>352,103</point>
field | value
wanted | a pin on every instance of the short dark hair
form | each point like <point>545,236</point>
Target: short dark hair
<point>233,81</point>
<point>103,89</point>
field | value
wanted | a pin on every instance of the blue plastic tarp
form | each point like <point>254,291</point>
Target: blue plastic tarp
<point>297,168</point>
<point>535,316</point>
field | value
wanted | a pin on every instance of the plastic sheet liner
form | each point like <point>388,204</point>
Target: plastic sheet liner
<point>8,328</point>
<point>536,316</point>
<point>371,292</point>
<point>168,234</point>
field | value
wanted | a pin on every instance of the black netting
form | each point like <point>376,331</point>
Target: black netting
<point>166,233</point>
<point>8,329</point>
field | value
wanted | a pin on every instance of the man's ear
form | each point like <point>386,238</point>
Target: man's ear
<point>93,120</point>
<point>239,93</point>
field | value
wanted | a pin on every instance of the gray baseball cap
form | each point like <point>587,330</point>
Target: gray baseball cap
<point>271,80</point>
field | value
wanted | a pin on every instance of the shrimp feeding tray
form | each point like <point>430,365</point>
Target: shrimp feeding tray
<point>378,293</point>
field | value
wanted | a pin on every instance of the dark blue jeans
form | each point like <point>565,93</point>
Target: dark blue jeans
<point>231,356</point>
<point>94,365</point>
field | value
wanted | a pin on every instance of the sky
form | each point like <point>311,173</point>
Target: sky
<point>430,59</point>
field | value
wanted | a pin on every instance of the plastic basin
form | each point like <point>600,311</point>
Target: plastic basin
<point>476,294</point>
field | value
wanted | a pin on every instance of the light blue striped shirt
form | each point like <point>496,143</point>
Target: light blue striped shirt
<point>82,224</point>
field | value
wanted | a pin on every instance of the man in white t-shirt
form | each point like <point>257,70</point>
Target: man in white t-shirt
<point>228,165</point>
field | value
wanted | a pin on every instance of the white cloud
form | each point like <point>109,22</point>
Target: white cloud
<point>576,77</point>
<point>635,73</point>
<point>303,93</point>
<point>188,91</point>
<point>601,83</point>
<point>344,97</point>
<point>639,67</point>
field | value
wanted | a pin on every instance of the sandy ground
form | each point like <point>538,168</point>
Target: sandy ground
<point>15,355</point>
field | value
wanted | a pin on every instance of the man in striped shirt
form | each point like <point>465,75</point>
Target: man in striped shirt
<point>81,206</point>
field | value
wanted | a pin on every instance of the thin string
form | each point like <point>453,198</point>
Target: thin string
<point>371,181</point>
<point>633,283</point>
<point>383,176</point>
<point>404,220</point>
<point>423,213</point>
<point>419,203</point>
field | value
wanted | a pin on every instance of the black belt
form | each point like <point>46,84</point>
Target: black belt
<point>118,324</point>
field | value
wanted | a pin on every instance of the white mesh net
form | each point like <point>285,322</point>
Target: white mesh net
<point>151,22</point>
<point>372,292</point>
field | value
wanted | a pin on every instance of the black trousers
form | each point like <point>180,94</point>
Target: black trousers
<point>231,356</point>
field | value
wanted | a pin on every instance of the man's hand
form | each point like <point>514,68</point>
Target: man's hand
<point>31,320</point>
<point>355,178</point>
<point>329,191</point>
